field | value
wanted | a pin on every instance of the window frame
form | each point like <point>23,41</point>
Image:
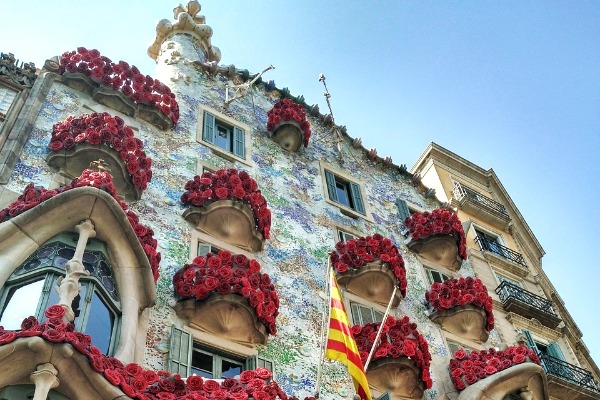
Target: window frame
<point>90,284</point>
<point>357,189</point>
<point>198,238</point>
<point>502,277</point>
<point>431,279</point>
<point>240,140</point>
<point>7,122</point>
<point>358,319</point>
<point>190,341</point>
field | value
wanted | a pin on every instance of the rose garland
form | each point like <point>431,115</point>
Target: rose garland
<point>287,110</point>
<point>32,196</point>
<point>438,222</point>
<point>121,76</point>
<point>467,368</point>
<point>354,254</point>
<point>227,273</point>
<point>141,384</point>
<point>458,292</point>
<point>399,338</point>
<point>229,184</point>
<point>103,128</point>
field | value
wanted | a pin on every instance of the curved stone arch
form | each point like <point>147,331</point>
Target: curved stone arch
<point>527,379</point>
<point>24,234</point>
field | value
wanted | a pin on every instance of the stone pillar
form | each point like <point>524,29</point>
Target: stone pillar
<point>45,379</point>
<point>68,287</point>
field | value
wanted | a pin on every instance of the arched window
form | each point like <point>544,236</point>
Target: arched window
<point>32,288</point>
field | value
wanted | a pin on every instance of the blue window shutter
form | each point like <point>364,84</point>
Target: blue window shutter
<point>238,142</point>
<point>331,188</point>
<point>529,339</point>
<point>555,351</point>
<point>357,198</point>
<point>403,210</point>
<point>209,128</point>
<point>180,352</point>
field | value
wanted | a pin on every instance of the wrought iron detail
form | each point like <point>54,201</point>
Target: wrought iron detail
<point>460,192</point>
<point>508,291</point>
<point>569,372</point>
<point>502,251</point>
<point>22,74</point>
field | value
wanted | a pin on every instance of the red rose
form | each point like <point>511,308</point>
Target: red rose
<point>133,369</point>
<point>195,383</point>
<point>55,311</point>
<point>7,337</point>
<point>55,145</point>
<point>518,358</point>
<point>458,383</point>
<point>28,323</point>
<point>222,192</point>
<point>211,386</point>
<point>460,354</point>
<point>247,376</point>
<point>263,373</point>
<point>457,372</point>
<point>471,378</point>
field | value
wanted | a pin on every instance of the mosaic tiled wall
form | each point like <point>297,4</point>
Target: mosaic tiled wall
<point>303,222</point>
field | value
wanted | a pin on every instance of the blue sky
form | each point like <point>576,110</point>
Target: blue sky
<point>512,85</point>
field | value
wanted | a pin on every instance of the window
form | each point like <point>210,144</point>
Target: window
<point>188,357</point>
<point>345,236</point>
<point>489,242</point>
<point>344,192</point>
<point>204,248</point>
<point>454,347</point>
<point>222,134</point>
<point>27,392</point>
<point>436,276</point>
<point>32,288</point>
<point>551,349</point>
<point>502,278</point>
<point>362,315</point>
<point>7,96</point>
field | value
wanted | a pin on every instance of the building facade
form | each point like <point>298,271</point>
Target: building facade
<point>170,236</point>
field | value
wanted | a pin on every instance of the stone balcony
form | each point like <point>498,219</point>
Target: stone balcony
<point>568,381</point>
<point>529,305</point>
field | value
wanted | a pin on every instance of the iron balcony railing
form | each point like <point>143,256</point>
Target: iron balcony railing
<point>569,372</point>
<point>459,192</point>
<point>502,251</point>
<point>509,291</point>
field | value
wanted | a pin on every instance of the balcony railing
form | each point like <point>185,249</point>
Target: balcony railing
<point>502,251</point>
<point>569,372</point>
<point>459,192</point>
<point>515,298</point>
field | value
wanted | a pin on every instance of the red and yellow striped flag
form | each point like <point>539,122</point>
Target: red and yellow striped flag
<point>340,342</point>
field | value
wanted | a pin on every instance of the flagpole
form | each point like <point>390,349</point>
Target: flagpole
<point>387,312</point>
<point>326,317</point>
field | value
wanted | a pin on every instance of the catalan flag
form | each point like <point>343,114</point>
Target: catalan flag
<point>340,342</point>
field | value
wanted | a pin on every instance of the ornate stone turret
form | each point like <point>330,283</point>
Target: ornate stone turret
<point>190,23</point>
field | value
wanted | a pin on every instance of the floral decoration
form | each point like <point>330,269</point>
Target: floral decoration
<point>438,222</point>
<point>467,368</point>
<point>354,254</point>
<point>138,383</point>
<point>286,110</point>
<point>399,338</point>
<point>121,76</point>
<point>104,129</point>
<point>32,196</point>
<point>459,292</point>
<point>226,273</point>
<point>233,185</point>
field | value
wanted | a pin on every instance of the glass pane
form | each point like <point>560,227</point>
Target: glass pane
<point>366,314</point>
<point>202,364</point>
<point>7,96</point>
<point>21,302</point>
<point>342,193</point>
<point>223,137</point>
<point>99,324</point>
<point>436,277</point>
<point>354,310</point>
<point>378,316</point>
<point>230,368</point>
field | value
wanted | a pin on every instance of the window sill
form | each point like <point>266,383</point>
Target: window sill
<point>225,154</point>
<point>348,212</point>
